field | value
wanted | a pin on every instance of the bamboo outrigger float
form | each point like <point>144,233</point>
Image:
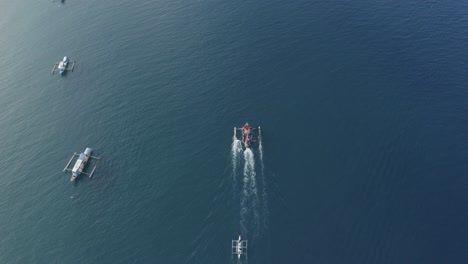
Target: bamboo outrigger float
<point>80,163</point>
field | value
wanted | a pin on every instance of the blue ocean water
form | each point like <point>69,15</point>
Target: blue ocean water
<point>363,112</point>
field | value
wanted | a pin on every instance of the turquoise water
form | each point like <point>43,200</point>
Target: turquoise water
<point>363,112</point>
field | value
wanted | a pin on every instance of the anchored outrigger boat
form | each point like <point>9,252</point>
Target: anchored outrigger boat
<point>80,163</point>
<point>247,136</point>
<point>239,247</point>
<point>63,65</point>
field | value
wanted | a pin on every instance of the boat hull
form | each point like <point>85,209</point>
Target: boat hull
<point>80,163</point>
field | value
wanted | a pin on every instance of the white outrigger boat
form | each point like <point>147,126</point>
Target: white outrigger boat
<point>239,247</point>
<point>63,65</point>
<point>80,163</point>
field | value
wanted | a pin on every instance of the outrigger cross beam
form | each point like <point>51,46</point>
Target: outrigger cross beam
<point>80,163</point>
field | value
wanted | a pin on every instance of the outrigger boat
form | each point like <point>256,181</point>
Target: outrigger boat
<point>80,163</point>
<point>247,135</point>
<point>239,247</point>
<point>63,65</point>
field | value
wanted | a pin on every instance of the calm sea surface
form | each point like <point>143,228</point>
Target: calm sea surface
<point>363,107</point>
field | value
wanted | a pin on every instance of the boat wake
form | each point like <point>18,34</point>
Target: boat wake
<point>252,190</point>
<point>249,199</point>
<point>265,211</point>
<point>236,150</point>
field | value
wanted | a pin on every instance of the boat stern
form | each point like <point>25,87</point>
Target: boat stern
<point>73,177</point>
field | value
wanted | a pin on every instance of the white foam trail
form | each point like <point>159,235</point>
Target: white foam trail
<point>236,148</point>
<point>243,207</point>
<point>265,212</point>
<point>249,166</point>
<point>249,199</point>
<point>250,161</point>
<point>260,149</point>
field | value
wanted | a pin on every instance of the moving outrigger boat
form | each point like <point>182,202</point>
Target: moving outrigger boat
<point>239,247</point>
<point>247,135</point>
<point>80,163</point>
<point>62,66</point>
